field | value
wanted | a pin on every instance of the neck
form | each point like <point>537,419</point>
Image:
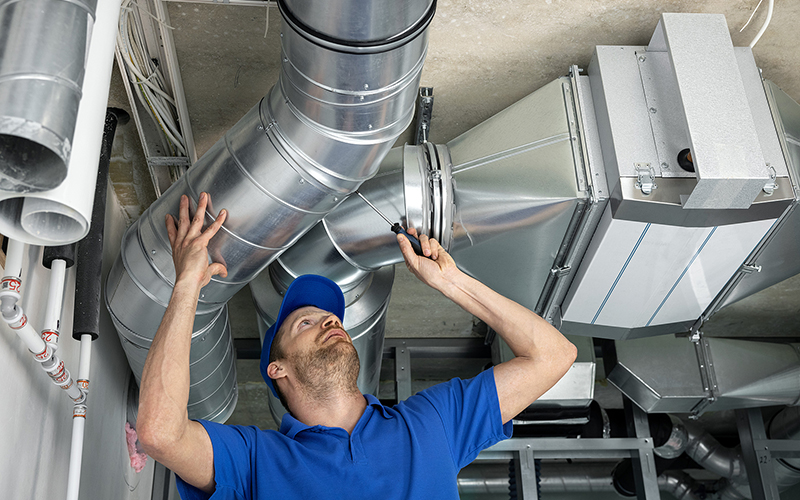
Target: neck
<point>338,409</point>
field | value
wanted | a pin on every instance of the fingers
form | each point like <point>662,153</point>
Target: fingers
<point>214,227</point>
<point>172,231</point>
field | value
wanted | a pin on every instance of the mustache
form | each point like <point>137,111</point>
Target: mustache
<point>324,332</point>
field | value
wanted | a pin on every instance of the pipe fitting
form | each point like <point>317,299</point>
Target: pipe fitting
<point>677,441</point>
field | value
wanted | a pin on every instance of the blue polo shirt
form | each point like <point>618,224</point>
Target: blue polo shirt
<point>413,450</point>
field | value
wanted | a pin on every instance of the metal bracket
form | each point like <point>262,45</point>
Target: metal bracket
<point>750,269</point>
<point>645,178</point>
<point>707,374</point>
<point>560,271</point>
<point>424,113</point>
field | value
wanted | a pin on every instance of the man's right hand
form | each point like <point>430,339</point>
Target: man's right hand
<point>190,243</point>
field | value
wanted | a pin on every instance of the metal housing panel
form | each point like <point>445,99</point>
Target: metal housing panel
<point>639,275</point>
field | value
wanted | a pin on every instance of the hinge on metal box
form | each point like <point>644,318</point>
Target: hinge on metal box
<point>707,375</point>
<point>645,178</point>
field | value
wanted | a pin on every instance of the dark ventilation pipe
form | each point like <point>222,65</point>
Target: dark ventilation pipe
<point>86,319</point>
<point>61,252</point>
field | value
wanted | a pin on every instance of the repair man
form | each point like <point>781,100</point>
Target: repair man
<point>336,442</point>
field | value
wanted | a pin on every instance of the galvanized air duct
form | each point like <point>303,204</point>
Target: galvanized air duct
<point>43,49</point>
<point>517,180</point>
<point>669,374</point>
<point>346,91</point>
<point>366,296</point>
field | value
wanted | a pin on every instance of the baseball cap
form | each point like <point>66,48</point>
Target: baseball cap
<point>306,290</point>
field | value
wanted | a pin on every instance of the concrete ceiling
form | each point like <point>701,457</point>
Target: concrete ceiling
<point>482,56</point>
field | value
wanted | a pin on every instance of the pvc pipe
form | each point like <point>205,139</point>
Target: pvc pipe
<point>770,8</point>
<point>55,297</point>
<point>79,421</point>
<point>62,215</point>
<point>16,250</point>
<point>76,452</point>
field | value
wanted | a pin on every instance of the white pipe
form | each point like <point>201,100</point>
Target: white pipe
<point>770,7</point>
<point>76,452</point>
<point>16,250</point>
<point>63,215</point>
<point>79,420</point>
<point>55,298</point>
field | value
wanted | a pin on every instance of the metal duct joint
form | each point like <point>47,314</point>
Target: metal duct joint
<point>318,134</point>
<point>43,50</point>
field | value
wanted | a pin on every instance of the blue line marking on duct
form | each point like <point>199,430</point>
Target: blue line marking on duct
<point>621,271</point>
<point>686,269</point>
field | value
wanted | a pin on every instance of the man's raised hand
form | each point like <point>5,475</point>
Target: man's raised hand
<point>436,268</point>
<point>190,243</point>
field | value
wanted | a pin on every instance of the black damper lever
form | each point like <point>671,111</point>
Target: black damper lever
<point>396,228</point>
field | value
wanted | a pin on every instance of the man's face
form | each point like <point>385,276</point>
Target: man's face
<point>318,350</point>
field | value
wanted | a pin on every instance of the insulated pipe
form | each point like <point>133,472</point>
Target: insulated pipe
<point>88,276</point>
<point>62,214</point>
<point>342,99</point>
<point>43,50</point>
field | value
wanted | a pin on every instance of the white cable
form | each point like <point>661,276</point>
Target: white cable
<point>751,16</point>
<point>770,7</point>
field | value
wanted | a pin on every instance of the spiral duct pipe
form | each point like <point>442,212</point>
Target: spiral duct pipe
<point>346,91</point>
<point>43,50</point>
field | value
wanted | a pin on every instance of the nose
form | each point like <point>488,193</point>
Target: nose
<point>332,321</point>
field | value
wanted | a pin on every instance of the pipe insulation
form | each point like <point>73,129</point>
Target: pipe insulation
<point>61,214</point>
<point>43,52</point>
<point>346,91</point>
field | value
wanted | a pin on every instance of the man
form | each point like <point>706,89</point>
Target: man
<point>336,442</point>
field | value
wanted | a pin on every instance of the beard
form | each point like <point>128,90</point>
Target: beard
<point>326,370</point>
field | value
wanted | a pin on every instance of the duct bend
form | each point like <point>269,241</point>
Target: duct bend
<point>43,49</point>
<point>345,93</point>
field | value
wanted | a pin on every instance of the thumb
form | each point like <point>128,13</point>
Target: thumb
<point>218,269</point>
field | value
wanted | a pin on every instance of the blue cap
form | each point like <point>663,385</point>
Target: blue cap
<point>306,290</point>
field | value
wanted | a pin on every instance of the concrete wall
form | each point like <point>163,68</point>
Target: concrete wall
<point>36,420</point>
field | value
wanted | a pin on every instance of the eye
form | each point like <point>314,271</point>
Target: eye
<point>305,322</point>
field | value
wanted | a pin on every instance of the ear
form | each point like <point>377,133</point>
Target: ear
<point>276,370</point>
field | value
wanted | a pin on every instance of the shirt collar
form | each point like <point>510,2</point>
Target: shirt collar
<point>290,426</point>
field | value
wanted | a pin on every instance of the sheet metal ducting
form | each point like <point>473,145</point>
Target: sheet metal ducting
<point>43,50</point>
<point>294,157</point>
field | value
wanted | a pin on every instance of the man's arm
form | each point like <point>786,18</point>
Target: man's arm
<point>543,355</point>
<point>163,425</point>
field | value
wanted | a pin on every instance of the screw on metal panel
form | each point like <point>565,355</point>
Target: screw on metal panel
<point>665,165</point>
<point>642,58</point>
<point>653,110</point>
<point>285,59</point>
<point>153,252</point>
<point>366,86</point>
<point>335,198</point>
<point>261,127</point>
<point>369,126</point>
<point>302,181</point>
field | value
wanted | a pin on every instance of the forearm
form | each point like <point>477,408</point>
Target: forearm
<point>164,392</point>
<point>526,333</point>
